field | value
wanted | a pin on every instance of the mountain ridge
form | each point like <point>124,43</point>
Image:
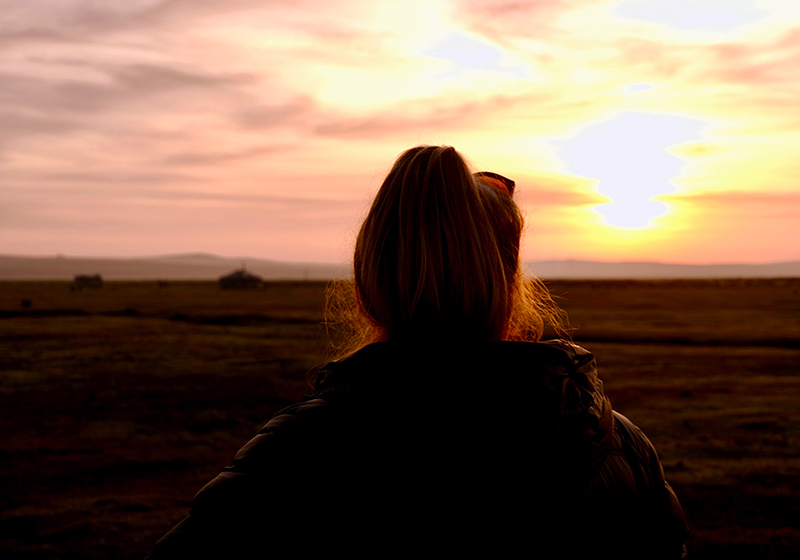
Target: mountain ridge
<point>207,266</point>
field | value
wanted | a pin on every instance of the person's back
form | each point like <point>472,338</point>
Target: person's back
<point>454,431</point>
<point>487,447</point>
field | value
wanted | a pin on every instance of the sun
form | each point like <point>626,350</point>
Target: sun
<point>628,158</point>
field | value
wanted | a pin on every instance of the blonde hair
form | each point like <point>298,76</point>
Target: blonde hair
<point>438,255</point>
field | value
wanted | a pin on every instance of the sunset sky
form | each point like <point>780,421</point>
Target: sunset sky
<point>645,130</point>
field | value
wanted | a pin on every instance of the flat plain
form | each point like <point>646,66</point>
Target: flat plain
<point>118,404</point>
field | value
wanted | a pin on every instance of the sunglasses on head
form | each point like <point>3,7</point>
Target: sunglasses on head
<point>497,181</point>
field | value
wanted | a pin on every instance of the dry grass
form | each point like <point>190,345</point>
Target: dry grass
<point>119,404</point>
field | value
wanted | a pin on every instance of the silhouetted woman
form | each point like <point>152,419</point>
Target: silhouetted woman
<point>447,429</point>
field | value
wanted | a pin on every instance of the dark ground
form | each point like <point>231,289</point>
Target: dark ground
<point>117,405</point>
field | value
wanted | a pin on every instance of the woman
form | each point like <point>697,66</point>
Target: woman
<point>447,428</point>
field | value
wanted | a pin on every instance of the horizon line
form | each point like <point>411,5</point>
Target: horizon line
<point>205,254</point>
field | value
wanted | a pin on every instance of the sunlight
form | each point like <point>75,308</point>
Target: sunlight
<point>628,157</point>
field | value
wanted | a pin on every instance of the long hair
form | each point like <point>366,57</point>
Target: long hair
<point>438,255</point>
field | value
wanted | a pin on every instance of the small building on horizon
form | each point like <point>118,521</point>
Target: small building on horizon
<point>240,280</point>
<point>91,281</point>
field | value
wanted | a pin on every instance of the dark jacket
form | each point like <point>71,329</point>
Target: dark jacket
<point>447,448</point>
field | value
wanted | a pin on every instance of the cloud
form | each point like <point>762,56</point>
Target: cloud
<point>694,14</point>
<point>387,123</point>
<point>17,125</point>
<point>262,115</point>
<point>765,66</point>
<point>535,194</point>
<point>148,78</point>
<point>530,111</point>
<point>467,52</point>
<point>532,18</point>
<point>119,84</point>
<point>150,193</point>
<point>210,158</point>
<point>763,203</point>
<point>87,16</point>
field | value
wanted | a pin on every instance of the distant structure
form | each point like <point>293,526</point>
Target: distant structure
<point>240,280</point>
<point>89,281</point>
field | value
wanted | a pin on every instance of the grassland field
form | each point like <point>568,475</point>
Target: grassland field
<point>118,404</point>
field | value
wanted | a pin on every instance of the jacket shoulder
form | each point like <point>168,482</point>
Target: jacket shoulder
<point>264,486</point>
<point>637,495</point>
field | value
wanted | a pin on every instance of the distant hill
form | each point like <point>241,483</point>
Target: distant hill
<point>203,266</point>
<point>194,266</point>
<point>644,270</point>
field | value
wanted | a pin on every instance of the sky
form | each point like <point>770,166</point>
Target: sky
<point>636,130</point>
